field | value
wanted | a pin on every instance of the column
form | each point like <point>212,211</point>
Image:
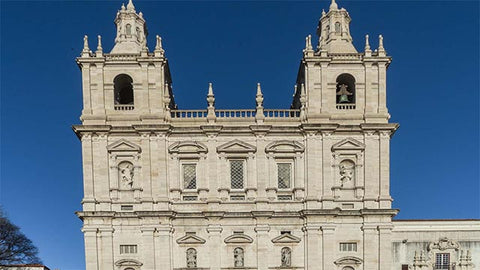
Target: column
<point>91,256</point>
<point>163,240</point>
<point>327,177</point>
<point>88,186</point>
<point>263,251</point>
<point>87,101</point>
<point>212,178</point>
<point>382,88</point>
<point>385,199</point>
<point>214,245</point>
<point>329,246</point>
<point>371,170</point>
<point>145,175</point>
<point>106,235</point>
<point>148,247</point>
<point>370,247</point>
<point>385,246</point>
<point>312,168</point>
<point>261,173</point>
<point>313,247</point>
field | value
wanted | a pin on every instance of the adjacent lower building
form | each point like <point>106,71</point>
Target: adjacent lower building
<point>305,187</point>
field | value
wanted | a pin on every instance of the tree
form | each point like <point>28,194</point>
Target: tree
<point>15,247</point>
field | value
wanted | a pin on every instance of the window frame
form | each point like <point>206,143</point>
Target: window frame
<point>182,173</point>
<point>349,247</point>
<point>292,173</point>
<point>244,176</point>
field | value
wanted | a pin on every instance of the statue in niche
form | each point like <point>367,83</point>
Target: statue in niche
<point>347,171</point>
<point>286,257</point>
<point>338,28</point>
<point>191,258</point>
<point>238,257</point>
<point>126,174</point>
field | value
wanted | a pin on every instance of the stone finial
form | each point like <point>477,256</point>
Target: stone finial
<point>99,51</point>
<point>123,7</point>
<point>303,103</point>
<point>130,5</point>
<point>86,49</point>
<point>381,49</point>
<point>295,90</point>
<point>367,44</point>
<point>323,12</point>
<point>166,102</point>
<point>158,46</point>
<point>308,42</point>
<point>333,5</point>
<point>211,104</point>
<point>259,115</point>
<point>140,14</point>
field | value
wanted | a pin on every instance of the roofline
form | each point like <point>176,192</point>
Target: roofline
<point>416,220</point>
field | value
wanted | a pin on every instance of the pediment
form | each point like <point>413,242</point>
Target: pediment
<point>286,238</point>
<point>348,144</point>
<point>128,262</point>
<point>187,147</point>
<point>123,146</point>
<point>236,146</point>
<point>284,147</point>
<point>190,239</point>
<point>238,238</point>
<point>348,260</point>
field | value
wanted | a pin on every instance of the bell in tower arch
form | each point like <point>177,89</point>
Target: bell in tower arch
<point>343,93</point>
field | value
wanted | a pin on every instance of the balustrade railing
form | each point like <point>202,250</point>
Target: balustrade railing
<point>123,107</point>
<point>189,114</point>
<point>234,113</point>
<point>346,106</point>
<point>244,113</point>
<point>282,113</point>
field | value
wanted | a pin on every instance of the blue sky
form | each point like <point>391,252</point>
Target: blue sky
<point>433,92</point>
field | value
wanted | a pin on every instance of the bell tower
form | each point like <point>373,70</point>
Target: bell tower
<point>130,83</point>
<point>342,84</point>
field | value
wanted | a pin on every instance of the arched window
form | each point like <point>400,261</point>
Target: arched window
<point>238,257</point>
<point>123,90</point>
<point>345,89</point>
<point>191,258</point>
<point>129,29</point>
<point>286,257</point>
<point>338,28</point>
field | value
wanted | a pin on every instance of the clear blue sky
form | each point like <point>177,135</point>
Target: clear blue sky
<point>433,92</point>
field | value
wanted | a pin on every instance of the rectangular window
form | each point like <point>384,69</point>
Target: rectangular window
<point>348,246</point>
<point>404,266</point>
<point>128,249</point>
<point>237,172</point>
<point>442,261</point>
<point>284,172</point>
<point>189,176</point>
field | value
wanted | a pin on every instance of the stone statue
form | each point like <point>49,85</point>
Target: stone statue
<point>238,257</point>
<point>347,171</point>
<point>126,174</point>
<point>286,257</point>
<point>191,258</point>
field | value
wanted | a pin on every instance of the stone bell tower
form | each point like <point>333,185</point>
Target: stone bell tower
<point>129,83</point>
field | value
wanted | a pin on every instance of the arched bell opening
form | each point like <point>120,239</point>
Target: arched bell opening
<point>345,89</point>
<point>123,90</point>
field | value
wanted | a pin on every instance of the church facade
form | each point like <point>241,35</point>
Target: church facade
<point>299,188</point>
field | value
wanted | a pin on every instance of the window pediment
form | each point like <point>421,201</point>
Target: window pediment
<point>128,262</point>
<point>123,146</point>
<point>348,260</point>
<point>190,239</point>
<point>286,238</point>
<point>189,147</point>
<point>285,147</point>
<point>236,146</point>
<point>238,238</point>
<point>348,144</point>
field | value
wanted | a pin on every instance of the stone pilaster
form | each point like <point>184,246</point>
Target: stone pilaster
<point>91,255</point>
<point>148,247</point>
<point>214,245</point>
<point>329,246</point>
<point>370,247</point>
<point>106,239</point>
<point>164,241</point>
<point>263,251</point>
<point>313,247</point>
